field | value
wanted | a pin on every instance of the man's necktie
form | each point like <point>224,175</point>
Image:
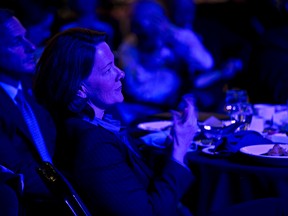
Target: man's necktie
<point>33,126</point>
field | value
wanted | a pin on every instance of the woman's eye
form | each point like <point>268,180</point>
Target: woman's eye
<point>109,68</point>
<point>108,71</point>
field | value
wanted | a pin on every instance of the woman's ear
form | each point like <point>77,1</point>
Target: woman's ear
<point>79,100</point>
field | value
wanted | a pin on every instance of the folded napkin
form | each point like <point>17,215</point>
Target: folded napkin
<point>280,118</point>
<point>232,143</point>
<point>278,138</point>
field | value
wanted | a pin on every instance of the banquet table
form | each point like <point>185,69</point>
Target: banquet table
<point>222,181</point>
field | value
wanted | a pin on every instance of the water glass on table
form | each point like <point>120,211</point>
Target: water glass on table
<point>238,107</point>
<point>242,112</point>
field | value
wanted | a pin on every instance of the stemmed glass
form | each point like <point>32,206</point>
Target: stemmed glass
<point>242,112</point>
<point>238,107</point>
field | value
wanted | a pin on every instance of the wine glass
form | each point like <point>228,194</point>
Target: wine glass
<point>242,112</point>
<point>238,107</point>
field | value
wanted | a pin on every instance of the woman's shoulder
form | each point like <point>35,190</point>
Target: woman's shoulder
<point>79,126</point>
<point>81,132</point>
<point>88,137</point>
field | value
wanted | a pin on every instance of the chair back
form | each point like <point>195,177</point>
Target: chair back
<point>60,186</point>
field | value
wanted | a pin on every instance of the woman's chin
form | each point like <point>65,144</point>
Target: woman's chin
<point>121,98</point>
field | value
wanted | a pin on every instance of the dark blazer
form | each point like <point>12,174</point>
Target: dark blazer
<point>17,151</point>
<point>112,179</point>
<point>10,192</point>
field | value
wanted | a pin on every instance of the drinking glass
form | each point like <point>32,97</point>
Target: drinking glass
<point>238,107</point>
<point>242,112</point>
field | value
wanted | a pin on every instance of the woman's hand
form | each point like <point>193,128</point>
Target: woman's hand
<point>184,129</point>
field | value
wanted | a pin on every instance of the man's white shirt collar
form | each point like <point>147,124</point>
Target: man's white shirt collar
<point>11,90</point>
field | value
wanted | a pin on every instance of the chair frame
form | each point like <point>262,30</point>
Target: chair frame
<point>60,186</point>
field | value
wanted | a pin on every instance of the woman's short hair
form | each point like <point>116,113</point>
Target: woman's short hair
<point>67,60</point>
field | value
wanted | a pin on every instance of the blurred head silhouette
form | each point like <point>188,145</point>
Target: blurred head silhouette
<point>181,12</point>
<point>148,22</point>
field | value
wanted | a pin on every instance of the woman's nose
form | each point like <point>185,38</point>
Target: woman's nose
<point>121,73</point>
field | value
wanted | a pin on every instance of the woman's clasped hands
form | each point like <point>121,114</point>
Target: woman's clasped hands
<point>184,129</point>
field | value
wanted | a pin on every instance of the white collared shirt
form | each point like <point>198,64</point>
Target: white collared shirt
<point>11,90</point>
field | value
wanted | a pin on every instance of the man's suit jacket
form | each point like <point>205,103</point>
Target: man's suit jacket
<point>10,192</point>
<point>114,180</point>
<point>17,151</point>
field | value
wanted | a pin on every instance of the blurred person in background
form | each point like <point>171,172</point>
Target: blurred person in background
<point>159,58</point>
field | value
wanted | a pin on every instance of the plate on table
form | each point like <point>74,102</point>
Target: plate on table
<point>203,143</point>
<point>155,125</point>
<point>259,154</point>
<point>210,150</point>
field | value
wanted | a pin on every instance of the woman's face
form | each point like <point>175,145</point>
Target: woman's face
<point>104,87</point>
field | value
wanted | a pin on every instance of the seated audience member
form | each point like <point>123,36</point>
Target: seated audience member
<point>163,61</point>
<point>159,60</point>
<point>77,80</point>
<point>17,150</point>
